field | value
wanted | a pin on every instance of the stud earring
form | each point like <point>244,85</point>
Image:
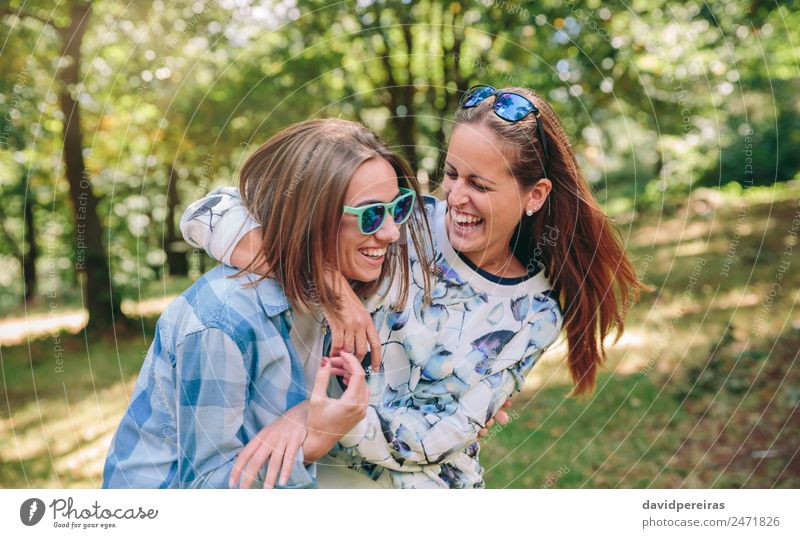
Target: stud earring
<point>529,212</point>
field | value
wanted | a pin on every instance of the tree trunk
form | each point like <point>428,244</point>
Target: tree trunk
<point>407,124</point>
<point>176,249</point>
<point>29,258</point>
<point>90,259</point>
<point>451,71</point>
<point>406,128</point>
<point>404,122</point>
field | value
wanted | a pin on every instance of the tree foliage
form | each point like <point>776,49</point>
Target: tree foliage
<point>657,97</point>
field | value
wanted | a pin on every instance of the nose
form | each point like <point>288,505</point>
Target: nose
<point>389,231</point>
<point>458,193</point>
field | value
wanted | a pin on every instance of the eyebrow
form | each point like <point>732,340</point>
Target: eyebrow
<point>448,163</point>
<point>372,201</point>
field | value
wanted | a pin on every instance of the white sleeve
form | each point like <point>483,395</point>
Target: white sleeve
<point>217,222</point>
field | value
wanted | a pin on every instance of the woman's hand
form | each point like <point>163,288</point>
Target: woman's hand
<point>329,419</point>
<point>501,416</point>
<point>278,442</point>
<point>352,329</point>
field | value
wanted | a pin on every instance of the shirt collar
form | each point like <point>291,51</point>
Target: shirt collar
<point>271,295</point>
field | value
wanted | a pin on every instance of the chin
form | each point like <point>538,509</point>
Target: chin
<point>463,244</point>
<point>362,275</point>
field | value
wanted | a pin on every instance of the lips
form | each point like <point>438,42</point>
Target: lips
<point>373,252</point>
<point>465,222</point>
<point>373,256</point>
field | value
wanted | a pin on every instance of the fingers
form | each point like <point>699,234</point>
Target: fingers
<point>288,460</point>
<point>501,417</point>
<point>337,339</point>
<point>349,362</point>
<point>482,432</point>
<point>357,392</point>
<point>241,461</point>
<point>489,423</point>
<point>349,342</point>
<point>322,380</point>
<point>275,462</point>
<point>344,340</point>
<point>357,382</point>
<point>339,365</point>
<point>342,373</point>
<point>375,347</point>
<point>255,463</point>
<point>280,451</point>
<point>361,344</point>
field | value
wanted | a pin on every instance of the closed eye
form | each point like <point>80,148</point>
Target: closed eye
<point>477,186</point>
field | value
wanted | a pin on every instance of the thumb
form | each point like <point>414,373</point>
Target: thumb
<point>322,380</point>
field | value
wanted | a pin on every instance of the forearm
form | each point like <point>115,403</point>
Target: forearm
<point>246,253</point>
<point>406,438</point>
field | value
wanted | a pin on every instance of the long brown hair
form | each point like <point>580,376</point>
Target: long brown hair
<point>295,184</point>
<point>586,260</point>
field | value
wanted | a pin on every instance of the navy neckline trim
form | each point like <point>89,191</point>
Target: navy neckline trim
<point>503,281</point>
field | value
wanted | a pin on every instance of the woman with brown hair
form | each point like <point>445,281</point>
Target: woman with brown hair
<point>230,357</point>
<point>521,251</point>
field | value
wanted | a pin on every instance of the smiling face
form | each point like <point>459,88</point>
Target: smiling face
<point>360,257</point>
<point>485,202</point>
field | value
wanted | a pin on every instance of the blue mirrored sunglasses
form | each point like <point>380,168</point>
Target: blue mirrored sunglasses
<point>509,106</point>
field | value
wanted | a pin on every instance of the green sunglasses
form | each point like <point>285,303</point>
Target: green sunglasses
<point>371,217</point>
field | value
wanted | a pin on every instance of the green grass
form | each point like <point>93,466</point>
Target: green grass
<point>561,442</point>
<point>56,420</point>
<point>637,432</point>
<point>702,391</point>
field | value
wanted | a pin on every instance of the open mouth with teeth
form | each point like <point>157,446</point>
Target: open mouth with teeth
<point>374,255</point>
<point>464,221</point>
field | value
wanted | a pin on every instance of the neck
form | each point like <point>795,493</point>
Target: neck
<point>497,260</point>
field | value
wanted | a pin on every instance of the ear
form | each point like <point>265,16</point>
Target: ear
<point>538,194</point>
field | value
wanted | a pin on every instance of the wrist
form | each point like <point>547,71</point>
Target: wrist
<point>317,444</point>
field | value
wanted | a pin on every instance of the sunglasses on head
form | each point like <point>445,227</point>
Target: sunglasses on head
<point>371,217</point>
<point>509,106</point>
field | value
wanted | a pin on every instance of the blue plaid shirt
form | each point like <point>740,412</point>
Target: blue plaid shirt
<point>221,368</point>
